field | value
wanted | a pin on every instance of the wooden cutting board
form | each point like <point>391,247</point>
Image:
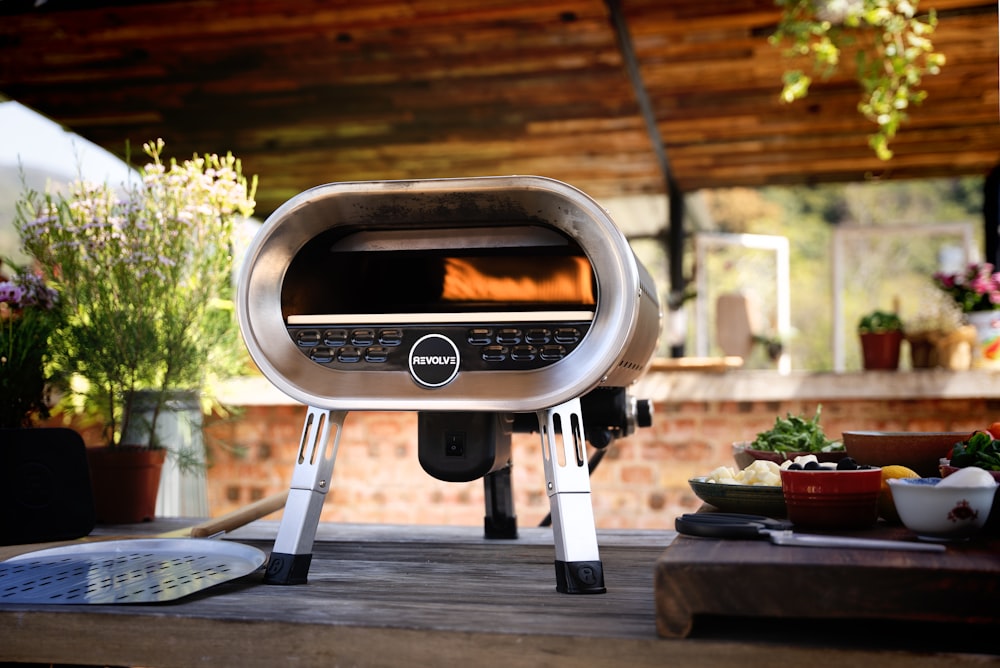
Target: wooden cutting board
<point>754,578</point>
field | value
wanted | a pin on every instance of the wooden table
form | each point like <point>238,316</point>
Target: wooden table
<point>444,596</point>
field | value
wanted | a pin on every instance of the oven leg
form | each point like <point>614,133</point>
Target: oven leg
<point>500,521</point>
<point>292,553</point>
<point>567,480</point>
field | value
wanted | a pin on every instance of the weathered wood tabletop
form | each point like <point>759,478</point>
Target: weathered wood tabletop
<point>381,595</point>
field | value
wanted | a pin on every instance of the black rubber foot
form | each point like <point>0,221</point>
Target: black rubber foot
<point>580,577</point>
<point>287,569</point>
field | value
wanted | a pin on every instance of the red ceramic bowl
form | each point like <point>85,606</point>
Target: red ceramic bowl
<point>832,499</point>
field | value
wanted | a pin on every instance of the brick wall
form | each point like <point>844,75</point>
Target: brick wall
<point>641,483</point>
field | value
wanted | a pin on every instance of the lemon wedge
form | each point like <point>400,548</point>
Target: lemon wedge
<point>886,506</point>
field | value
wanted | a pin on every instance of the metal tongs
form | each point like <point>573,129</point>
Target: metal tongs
<point>737,525</point>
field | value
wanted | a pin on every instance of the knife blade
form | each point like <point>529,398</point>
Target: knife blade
<point>786,537</point>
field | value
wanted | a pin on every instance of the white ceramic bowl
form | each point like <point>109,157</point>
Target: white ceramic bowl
<point>941,513</point>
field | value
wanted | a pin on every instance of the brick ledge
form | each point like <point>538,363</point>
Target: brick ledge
<point>861,385</point>
<point>737,385</point>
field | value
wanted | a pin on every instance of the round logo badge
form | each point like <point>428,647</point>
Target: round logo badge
<point>434,360</point>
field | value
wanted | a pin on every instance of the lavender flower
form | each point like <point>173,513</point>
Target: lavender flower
<point>140,270</point>
<point>29,316</point>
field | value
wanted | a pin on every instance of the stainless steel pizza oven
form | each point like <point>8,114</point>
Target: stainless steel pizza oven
<point>470,301</point>
<point>499,294</point>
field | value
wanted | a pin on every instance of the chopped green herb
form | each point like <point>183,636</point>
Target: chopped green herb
<point>796,434</point>
<point>981,450</point>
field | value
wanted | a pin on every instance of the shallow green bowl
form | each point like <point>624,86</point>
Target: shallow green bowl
<point>750,499</point>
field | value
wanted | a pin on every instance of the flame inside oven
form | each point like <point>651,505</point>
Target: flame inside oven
<point>512,280</point>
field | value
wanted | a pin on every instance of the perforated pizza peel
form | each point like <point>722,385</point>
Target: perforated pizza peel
<point>142,570</point>
<point>137,570</point>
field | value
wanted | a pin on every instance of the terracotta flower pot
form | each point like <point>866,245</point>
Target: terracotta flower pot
<point>923,350</point>
<point>125,482</point>
<point>881,350</point>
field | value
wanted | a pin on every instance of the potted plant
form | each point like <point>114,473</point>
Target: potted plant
<point>938,336</point>
<point>144,277</point>
<point>881,334</point>
<point>976,292</point>
<point>29,314</point>
<point>893,52</point>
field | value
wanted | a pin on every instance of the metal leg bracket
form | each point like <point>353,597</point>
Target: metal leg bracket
<point>292,553</point>
<point>567,480</point>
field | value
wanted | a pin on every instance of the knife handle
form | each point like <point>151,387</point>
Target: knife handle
<point>718,525</point>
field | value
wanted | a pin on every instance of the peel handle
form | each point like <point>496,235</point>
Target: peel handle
<point>724,525</point>
<point>241,516</point>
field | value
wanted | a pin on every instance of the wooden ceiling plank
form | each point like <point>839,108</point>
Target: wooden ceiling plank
<point>311,91</point>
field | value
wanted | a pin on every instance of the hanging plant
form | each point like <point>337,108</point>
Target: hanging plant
<point>893,54</point>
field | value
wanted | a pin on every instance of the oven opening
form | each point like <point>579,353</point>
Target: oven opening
<point>440,274</point>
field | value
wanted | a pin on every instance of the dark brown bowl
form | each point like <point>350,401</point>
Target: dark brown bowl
<point>745,455</point>
<point>917,450</point>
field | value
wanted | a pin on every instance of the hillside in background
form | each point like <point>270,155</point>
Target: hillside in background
<point>888,268</point>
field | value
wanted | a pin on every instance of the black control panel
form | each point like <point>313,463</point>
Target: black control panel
<point>482,347</point>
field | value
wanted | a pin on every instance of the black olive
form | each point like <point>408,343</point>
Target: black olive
<point>811,466</point>
<point>847,464</point>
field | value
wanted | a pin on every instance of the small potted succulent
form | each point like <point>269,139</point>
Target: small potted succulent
<point>881,334</point>
<point>938,337</point>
